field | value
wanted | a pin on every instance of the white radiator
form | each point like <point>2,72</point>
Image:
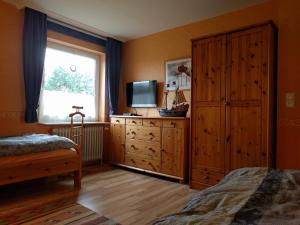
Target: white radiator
<point>93,141</point>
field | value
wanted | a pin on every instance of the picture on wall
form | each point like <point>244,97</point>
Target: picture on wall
<point>178,74</point>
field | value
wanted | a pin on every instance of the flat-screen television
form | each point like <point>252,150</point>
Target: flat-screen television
<point>142,94</point>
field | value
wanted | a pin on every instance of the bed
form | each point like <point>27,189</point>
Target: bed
<point>34,156</point>
<point>256,196</point>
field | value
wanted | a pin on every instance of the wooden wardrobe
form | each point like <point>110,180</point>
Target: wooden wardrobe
<point>232,117</point>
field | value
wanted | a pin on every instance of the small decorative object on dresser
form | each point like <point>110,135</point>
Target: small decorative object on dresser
<point>179,107</point>
<point>151,144</point>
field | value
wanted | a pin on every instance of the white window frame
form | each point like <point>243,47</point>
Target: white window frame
<point>82,52</point>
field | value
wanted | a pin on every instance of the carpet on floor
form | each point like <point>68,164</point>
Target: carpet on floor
<point>57,213</point>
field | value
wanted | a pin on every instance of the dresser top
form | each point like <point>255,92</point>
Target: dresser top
<point>150,117</point>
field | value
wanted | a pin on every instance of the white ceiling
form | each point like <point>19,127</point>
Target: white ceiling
<point>130,19</point>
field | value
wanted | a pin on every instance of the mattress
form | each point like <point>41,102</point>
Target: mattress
<point>256,196</point>
<point>26,144</point>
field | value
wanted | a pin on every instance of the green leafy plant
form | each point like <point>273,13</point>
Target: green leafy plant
<point>71,82</point>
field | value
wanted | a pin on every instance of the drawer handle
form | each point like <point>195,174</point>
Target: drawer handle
<point>133,132</point>
<point>151,122</point>
<point>133,122</point>
<point>206,178</point>
<point>132,146</point>
<point>173,124</point>
<point>117,121</point>
<point>151,134</point>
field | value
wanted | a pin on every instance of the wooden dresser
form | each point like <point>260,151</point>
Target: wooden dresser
<point>157,145</point>
<point>232,103</point>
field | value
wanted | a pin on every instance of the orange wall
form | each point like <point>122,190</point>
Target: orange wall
<point>288,81</point>
<point>12,102</point>
<point>144,59</point>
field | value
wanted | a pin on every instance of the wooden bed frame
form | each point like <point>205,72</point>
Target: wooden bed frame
<point>44,164</point>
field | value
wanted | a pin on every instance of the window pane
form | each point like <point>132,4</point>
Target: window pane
<point>69,79</point>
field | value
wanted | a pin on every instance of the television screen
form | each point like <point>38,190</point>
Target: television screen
<point>142,94</point>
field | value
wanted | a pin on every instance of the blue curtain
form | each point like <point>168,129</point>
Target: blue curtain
<point>34,48</point>
<point>113,69</point>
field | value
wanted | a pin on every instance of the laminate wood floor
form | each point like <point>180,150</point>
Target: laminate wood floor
<point>125,196</point>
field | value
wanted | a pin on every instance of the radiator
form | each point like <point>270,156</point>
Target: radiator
<point>93,141</point>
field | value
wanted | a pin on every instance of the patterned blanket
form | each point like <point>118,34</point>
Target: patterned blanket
<point>21,145</point>
<point>248,196</point>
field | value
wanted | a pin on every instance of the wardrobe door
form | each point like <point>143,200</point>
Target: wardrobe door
<point>248,97</point>
<point>208,111</point>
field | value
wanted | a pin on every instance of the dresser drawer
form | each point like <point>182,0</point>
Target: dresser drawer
<point>115,120</point>
<point>143,149</point>
<point>143,133</point>
<point>152,122</point>
<point>134,122</point>
<point>173,123</point>
<point>206,176</point>
<point>140,162</point>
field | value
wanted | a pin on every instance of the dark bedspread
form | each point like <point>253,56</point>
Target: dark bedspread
<point>21,145</point>
<point>248,196</point>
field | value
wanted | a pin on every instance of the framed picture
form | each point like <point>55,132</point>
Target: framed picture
<point>178,74</point>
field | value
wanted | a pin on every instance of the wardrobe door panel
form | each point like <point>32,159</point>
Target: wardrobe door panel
<point>208,108</point>
<point>245,137</point>
<point>209,70</point>
<point>249,95</point>
<point>209,145</point>
<point>246,66</point>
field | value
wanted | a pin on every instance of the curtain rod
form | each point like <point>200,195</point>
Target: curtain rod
<point>51,19</point>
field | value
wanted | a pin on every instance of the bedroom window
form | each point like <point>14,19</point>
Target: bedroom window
<point>71,77</point>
